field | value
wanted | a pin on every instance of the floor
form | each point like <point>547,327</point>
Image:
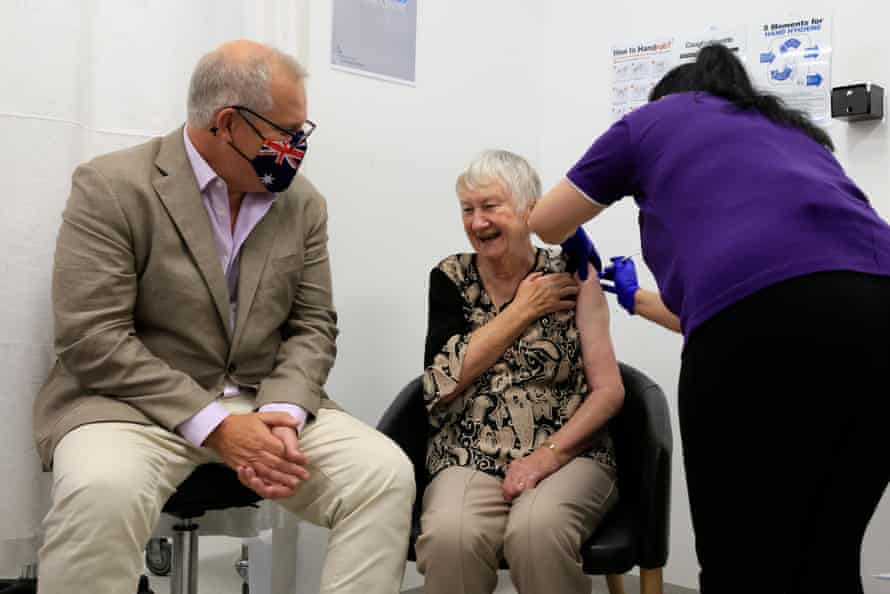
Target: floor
<point>631,586</point>
<point>218,555</point>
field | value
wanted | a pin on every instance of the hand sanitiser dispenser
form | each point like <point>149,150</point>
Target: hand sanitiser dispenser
<point>862,101</point>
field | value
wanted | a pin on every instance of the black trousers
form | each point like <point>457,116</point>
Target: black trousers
<point>784,406</point>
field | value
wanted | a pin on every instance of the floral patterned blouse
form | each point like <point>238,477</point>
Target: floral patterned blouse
<point>525,397</point>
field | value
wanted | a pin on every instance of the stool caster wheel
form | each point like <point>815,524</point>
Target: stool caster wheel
<point>159,556</point>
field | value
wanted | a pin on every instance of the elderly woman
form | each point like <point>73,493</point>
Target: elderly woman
<point>520,382</point>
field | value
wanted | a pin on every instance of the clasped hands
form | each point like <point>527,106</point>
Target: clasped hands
<point>264,449</point>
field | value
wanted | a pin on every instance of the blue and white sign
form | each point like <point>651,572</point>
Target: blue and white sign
<point>375,38</point>
<point>792,59</point>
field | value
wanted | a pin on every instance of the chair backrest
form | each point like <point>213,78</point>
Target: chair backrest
<point>643,445</point>
<point>406,423</point>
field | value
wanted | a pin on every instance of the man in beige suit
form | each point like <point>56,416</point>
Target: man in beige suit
<point>194,324</point>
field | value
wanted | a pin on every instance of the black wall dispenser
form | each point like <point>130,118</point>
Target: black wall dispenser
<point>862,101</point>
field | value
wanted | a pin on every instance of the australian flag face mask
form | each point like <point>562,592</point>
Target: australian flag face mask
<point>277,162</point>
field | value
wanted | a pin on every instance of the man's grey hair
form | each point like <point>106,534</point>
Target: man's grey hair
<point>219,81</point>
<point>518,177</point>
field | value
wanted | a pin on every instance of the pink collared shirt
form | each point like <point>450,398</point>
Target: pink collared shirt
<point>254,207</point>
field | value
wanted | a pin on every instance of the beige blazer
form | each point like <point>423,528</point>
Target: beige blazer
<point>142,307</point>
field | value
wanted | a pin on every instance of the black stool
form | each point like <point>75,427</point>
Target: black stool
<point>209,487</point>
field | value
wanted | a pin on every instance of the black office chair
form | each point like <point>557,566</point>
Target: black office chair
<point>208,487</point>
<point>635,532</point>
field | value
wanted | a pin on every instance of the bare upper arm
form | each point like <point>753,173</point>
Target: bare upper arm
<point>592,320</point>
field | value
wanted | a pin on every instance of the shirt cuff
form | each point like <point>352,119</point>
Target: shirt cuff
<point>201,425</point>
<point>294,410</point>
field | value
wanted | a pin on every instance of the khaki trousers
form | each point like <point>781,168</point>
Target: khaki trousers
<point>467,528</point>
<point>110,481</point>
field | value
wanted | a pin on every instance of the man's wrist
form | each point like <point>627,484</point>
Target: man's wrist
<point>295,410</point>
<point>204,422</point>
<point>215,433</point>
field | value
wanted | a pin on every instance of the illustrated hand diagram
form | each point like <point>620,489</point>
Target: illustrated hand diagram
<point>795,60</point>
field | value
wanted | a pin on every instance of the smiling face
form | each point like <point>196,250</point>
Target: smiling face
<point>494,226</point>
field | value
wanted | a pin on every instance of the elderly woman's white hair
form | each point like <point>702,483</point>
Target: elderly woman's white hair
<point>220,80</point>
<point>518,177</point>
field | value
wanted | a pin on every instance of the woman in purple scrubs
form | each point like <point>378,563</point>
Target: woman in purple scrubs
<point>779,271</point>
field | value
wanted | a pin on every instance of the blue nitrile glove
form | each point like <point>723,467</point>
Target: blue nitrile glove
<point>579,249</point>
<point>623,275</point>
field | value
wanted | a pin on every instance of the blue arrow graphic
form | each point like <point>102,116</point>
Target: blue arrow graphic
<point>780,74</point>
<point>767,58</point>
<point>789,44</point>
<point>814,80</point>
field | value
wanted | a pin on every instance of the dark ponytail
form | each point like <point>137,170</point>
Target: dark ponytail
<point>719,72</point>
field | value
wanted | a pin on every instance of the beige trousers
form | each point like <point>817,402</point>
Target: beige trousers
<point>110,481</point>
<point>467,528</point>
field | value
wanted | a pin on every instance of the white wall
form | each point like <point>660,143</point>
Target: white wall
<point>576,103</point>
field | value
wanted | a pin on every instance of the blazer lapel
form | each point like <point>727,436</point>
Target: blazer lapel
<point>254,257</point>
<point>178,190</point>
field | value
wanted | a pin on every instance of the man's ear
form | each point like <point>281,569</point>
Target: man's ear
<point>223,124</point>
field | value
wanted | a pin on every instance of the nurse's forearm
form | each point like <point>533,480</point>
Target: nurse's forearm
<point>649,305</point>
